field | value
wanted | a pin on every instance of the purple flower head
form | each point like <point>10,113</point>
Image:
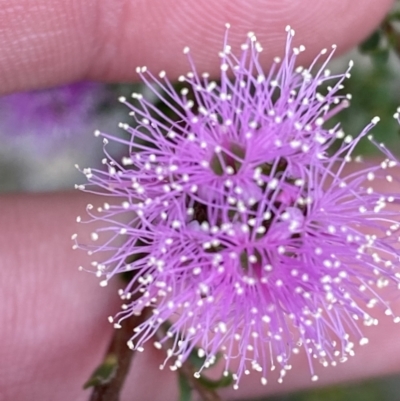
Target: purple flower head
<point>240,225</point>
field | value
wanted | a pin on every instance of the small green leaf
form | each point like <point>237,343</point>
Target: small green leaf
<point>104,373</point>
<point>393,16</point>
<point>224,381</point>
<point>380,57</point>
<point>371,44</point>
<point>185,391</point>
<point>394,41</point>
<point>196,361</point>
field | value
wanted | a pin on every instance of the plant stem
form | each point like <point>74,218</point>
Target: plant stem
<point>117,360</point>
<point>121,356</point>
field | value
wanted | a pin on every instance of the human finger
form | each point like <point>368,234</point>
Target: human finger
<point>54,318</point>
<point>47,43</point>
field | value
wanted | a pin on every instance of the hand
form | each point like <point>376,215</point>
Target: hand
<point>53,319</point>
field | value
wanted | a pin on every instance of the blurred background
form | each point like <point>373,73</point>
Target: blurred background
<point>43,134</point>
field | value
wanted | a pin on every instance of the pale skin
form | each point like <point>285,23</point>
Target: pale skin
<point>53,318</point>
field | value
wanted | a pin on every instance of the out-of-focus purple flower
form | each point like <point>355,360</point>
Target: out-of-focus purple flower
<point>240,224</point>
<point>42,134</point>
<point>61,110</point>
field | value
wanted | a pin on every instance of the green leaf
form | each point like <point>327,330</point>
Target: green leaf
<point>380,57</point>
<point>224,381</point>
<point>104,373</point>
<point>185,391</point>
<point>196,361</point>
<point>393,16</point>
<point>371,44</point>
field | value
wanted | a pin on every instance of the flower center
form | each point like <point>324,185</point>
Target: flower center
<point>229,160</point>
<point>275,215</point>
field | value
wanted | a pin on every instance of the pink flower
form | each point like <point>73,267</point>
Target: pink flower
<point>239,223</point>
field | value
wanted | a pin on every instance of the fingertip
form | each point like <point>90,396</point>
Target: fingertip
<point>105,40</point>
<point>155,34</point>
<point>54,327</point>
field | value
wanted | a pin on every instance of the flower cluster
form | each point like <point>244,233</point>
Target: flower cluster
<point>241,225</point>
